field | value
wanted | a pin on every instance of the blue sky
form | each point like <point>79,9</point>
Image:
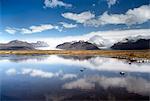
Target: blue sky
<point>31,19</point>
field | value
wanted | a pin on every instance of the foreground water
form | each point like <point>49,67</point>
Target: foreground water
<point>72,78</point>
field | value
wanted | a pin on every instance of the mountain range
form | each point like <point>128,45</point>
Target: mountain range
<point>97,42</point>
<point>94,43</point>
<point>22,45</point>
<point>79,45</point>
<point>133,43</point>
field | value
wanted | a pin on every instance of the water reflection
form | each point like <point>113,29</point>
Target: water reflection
<point>23,58</point>
<point>91,62</point>
<point>76,57</point>
<point>61,78</point>
<point>39,73</point>
<point>131,84</point>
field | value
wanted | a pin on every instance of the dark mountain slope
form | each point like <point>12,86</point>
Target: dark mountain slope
<point>80,45</point>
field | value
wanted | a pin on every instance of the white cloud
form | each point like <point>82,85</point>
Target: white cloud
<point>25,31</point>
<point>10,30</point>
<point>111,2</point>
<point>32,29</point>
<point>55,3</point>
<point>79,18</point>
<point>67,25</point>
<point>131,17</point>
<point>41,28</point>
<point>36,29</point>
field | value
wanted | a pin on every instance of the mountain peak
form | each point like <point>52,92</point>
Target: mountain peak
<point>15,41</point>
<point>79,45</point>
<point>99,41</point>
<point>133,43</point>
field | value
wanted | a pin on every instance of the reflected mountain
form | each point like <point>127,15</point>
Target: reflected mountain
<point>23,58</point>
<point>89,62</point>
<point>76,57</point>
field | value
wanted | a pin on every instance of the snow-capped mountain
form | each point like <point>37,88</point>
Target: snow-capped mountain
<point>40,44</point>
<point>133,43</point>
<point>100,41</point>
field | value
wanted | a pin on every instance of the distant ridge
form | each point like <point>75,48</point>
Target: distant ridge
<point>21,45</point>
<point>133,43</point>
<point>79,45</point>
<point>16,45</point>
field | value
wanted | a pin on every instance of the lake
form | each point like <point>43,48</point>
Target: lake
<point>72,78</point>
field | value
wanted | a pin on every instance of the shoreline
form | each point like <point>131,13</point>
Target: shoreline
<point>128,54</point>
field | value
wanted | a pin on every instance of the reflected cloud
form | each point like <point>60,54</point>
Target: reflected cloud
<point>99,63</point>
<point>11,71</point>
<point>72,84</point>
<point>38,73</point>
<point>41,73</point>
<point>69,76</point>
<point>131,84</point>
<point>89,62</point>
<point>80,83</point>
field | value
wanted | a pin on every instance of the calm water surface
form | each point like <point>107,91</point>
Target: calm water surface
<point>72,78</point>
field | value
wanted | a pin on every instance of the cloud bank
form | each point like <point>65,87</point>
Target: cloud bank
<point>10,30</point>
<point>131,17</point>
<point>79,18</point>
